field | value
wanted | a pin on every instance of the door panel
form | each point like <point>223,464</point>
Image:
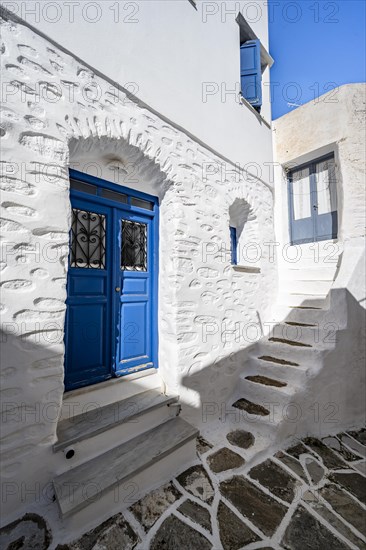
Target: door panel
<point>133,317</point>
<point>136,283</point>
<point>88,314</point>
<point>85,346</point>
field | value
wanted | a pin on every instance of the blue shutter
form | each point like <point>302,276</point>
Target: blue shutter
<point>234,244</point>
<point>250,72</point>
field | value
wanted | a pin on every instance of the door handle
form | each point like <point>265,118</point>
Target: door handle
<point>315,207</point>
<point>118,289</point>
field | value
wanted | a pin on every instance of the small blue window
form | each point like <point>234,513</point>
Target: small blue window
<point>251,72</point>
<point>234,245</point>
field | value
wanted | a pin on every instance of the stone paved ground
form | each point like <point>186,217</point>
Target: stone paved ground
<point>311,496</point>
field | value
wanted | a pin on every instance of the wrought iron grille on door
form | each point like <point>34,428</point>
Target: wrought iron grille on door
<point>87,239</point>
<point>134,246</point>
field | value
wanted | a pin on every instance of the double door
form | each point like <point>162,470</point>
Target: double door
<point>111,287</point>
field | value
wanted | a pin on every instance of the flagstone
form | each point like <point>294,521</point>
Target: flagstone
<point>224,459</point>
<point>305,532</point>
<point>262,510</point>
<point>196,481</point>
<point>173,534</point>
<point>234,534</point>
<point>275,479</point>
<point>196,513</point>
<point>241,438</point>
<point>149,509</point>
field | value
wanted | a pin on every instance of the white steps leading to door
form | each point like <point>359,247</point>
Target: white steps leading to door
<point>276,368</point>
<point>78,401</point>
<point>257,389</point>
<point>315,288</point>
<point>84,437</point>
<point>123,463</point>
<point>302,299</point>
<point>139,439</point>
<point>293,354</point>
<point>301,331</point>
<point>327,250</point>
<point>97,420</point>
<point>298,314</point>
<point>308,273</point>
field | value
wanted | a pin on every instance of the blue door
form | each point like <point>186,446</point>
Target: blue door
<point>135,264</point>
<point>111,318</point>
<point>313,201</point>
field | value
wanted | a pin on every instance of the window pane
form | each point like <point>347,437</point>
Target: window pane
<point>142,204</point>
<point>114,196</point>
<point>87,247</point>
<point>326,186</point>
<point>301,194</point>
<point>84,187</point>
<point>234,244</point>
<point>134,246</point>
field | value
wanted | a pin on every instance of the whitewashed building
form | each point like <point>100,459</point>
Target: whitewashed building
<point>139,264</point>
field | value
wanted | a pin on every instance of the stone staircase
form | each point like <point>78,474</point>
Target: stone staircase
<point>114,451</point>
<point>302,331</point>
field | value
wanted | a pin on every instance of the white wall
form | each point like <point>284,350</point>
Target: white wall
<point>198,288</point>
<point>333,398</point>
<point>333,123</point>
<point>164,51</point>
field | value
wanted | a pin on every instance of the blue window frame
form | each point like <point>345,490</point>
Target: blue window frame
<point>234,246</point>
<point>251,72</point>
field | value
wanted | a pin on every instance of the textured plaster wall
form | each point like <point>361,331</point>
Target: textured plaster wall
<point>335,122</point>
<point>333,398</point>
<point>46,124</point>
<point>170,54</point>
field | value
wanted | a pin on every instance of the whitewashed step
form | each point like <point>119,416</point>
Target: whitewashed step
<point>312,273</point>
<point>319,333</point>
<point>311,261</point>
<point>86,449</point>
<point>322,251</point>
<point>121,464</point>
<point>312,287</point>
<point>303,356</point>
<point>97,420</point>
<point>303,300</point>
<point>78,401</point>
<point>273,367</point>
<point>264,414</point>
<point>282,313</point>
<point>257,388</point>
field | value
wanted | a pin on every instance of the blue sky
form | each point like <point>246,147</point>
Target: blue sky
<point>317,45</point>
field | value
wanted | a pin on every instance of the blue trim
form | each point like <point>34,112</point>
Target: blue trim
<point>234,246</point>
<point>155,287</point>
<point>86,178</point>
<point>251,72</point>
